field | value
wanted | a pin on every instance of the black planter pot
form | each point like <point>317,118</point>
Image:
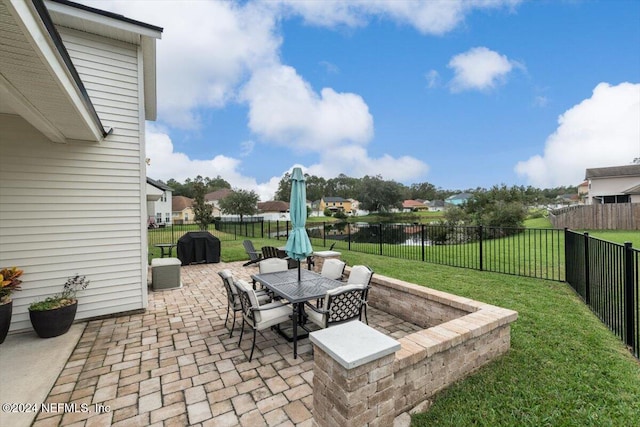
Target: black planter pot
<point>5,319</point>
<point>51,323</point>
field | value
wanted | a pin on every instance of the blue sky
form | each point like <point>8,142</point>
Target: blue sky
<point>459,94</point>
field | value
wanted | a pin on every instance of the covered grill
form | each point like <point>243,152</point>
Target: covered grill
<point>198,247</point>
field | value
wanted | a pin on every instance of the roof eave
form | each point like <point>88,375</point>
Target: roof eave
<point>40,29</point>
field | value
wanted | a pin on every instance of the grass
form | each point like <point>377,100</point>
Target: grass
<point>565,368</point>
<point>618,236</point>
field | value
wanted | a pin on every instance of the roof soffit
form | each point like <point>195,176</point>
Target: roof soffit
<point>36,80</point>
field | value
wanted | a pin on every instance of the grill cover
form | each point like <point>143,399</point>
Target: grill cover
<point>198,247</point>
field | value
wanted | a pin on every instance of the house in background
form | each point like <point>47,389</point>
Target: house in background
<point>214,198</point>
<point>616,184</point>
<point>414,206</point>
<point>458,199</point>
<point>335,204</point>
<point>182,210</point>
<point>436,206</point>
<point>583,191</point>
<point>274,210</point>
<point>160,208</point>
<point>76,86</point>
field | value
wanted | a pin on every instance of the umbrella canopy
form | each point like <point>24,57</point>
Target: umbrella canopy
<point>298,245</point>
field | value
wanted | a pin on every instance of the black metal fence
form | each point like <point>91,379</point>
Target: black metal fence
<point>606,276</point>
<point>519,251</point>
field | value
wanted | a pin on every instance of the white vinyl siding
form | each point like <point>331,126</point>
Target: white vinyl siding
<point>77,207</point>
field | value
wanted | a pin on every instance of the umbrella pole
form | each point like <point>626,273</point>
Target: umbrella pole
<point>298,270</point>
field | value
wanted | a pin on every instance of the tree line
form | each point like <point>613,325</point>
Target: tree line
<point>375,193</point>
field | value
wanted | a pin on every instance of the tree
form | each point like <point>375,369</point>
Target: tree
<point>500,206</point>
<point>240,202</point>
<point>377,195</point>
<point>202,211</point>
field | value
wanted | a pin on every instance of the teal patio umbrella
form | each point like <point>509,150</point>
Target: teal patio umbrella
<point>298,246</point>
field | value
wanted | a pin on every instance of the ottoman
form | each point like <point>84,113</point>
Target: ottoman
<point>165,273</point>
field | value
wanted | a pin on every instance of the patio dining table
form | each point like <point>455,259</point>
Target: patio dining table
<point>286,285</point>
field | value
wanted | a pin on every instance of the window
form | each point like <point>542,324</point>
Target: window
<point>168,217</point>
<point>158,217</point>
<point>621,198</point>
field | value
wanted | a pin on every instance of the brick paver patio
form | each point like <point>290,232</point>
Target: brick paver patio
<point>175,365</point>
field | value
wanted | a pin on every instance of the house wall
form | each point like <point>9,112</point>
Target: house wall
<point>611,186</point>
<point>80,207</point>
<point>163,207</point>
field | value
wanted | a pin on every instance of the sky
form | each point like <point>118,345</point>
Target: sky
<point>460,94</point>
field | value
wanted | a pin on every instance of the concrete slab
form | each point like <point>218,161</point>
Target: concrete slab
<point>30,367</point>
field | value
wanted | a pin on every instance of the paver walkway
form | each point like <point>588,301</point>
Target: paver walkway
<point>175,365</point>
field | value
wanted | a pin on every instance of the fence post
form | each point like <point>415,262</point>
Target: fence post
<point>262,228</point>
<point>348,236</point>
<point>629,288</point>
<point>422,237</point>
<point>324,233</point>
<point>481,232</point>
<point>380,239</point>
<point>587,291</point>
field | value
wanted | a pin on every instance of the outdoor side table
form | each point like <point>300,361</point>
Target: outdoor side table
<point>165,273</point>
<point>165,249</point>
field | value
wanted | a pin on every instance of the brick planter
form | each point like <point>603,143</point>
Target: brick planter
<point>460,335</point>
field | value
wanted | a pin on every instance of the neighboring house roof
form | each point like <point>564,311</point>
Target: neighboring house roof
<point>334,199</point>
<point>180,203</point>
<point>437,203</point>
<point>409,204</point>
<point>217,195</point>
<point>273,206</point>
<point>162,186</point>
<point>613,171</point>
<point>633,190</point>
<point>460,196</point>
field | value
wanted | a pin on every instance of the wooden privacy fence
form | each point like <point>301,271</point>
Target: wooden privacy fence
<point>608,216</point>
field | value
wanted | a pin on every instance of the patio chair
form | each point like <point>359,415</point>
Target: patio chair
<point>233,299</point>
<point>254,256</point>
<point>273,252</point>
<point>271,265</point>
<point>361,274</point>
<point>259,317</point>
<point>340,305</point>
<point>270,252</point>
<point>333,269</point>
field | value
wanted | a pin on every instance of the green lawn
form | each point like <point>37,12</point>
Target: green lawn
<point>618,236</point>
<point>565,368</point>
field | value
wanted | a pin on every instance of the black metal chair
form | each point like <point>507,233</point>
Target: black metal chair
<point>340,305</point>
<point>254,256</point>
<point>233,299</point>
<point>273,252</point>
<point>259,317</point>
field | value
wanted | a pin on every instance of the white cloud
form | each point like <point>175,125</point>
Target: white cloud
<point>433,79</point>
<point>285,109</point>
<point>354,161</point>
<point>246,148</point>
<point>165,164</point>
<point>601,131</point>
<point>479,68</point>
<point>426,16</point>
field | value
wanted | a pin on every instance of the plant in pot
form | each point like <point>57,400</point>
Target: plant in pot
<point>9,283</point>
<point>54,316</point>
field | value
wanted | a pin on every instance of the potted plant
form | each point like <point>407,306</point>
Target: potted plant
<point>9,283</point>
<point>54,315</point>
